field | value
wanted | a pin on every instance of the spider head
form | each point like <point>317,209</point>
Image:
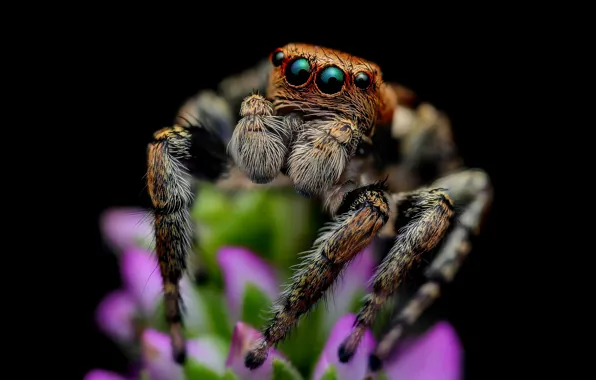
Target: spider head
<point>316,81</point>
<point>339,97</point>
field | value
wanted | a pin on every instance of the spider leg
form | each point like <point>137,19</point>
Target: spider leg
<point>362,214</point>
<point>472,189</point>
<point>422,219</point>
<point>195,146</point>
<point>176,153</point>
<point>254,79</point>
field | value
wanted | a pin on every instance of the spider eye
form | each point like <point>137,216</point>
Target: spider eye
<point>362,80</point>
<point>277,58</point>
<point>330,80</point>
<point>298,71</point>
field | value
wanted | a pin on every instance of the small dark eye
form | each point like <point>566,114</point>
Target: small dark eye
<point>330,80</point>
<point>277,58</point>
<point>298,71</point>
<point>362,80</point>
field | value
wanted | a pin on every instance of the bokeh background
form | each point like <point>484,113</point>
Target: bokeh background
<point>147,75</point>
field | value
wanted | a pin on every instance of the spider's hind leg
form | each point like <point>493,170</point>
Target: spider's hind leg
<point>470,189</point>
<point>194,147</point>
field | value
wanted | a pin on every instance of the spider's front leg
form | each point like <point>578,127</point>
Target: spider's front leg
<point>363,213</point>
<point>422,219</point>
<point>471,190</point>
<point>173,156</point>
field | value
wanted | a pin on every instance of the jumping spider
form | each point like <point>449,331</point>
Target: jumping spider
<point>382,165</point>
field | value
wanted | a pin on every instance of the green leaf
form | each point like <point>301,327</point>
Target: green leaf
<point>193,370</point>
<point>232,220</point>
<point>192,327</point>
<point>293,226</point>
<point>356,302</point>
<point>382,376</point>
<point>144,375</point>
<point>282,370</point>
<point>219,320</point>
<point>330,373</point>
<point>230,375</point>
<point>256,219</point>
<point>306,342</point>
<point>255,305</point>
<point>384,317</point>
<point>211,204</point>
<point>159,318</point>
<point>145,242</point>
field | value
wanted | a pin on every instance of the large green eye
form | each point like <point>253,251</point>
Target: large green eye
<point>330,80</point>
<point>298,71</point>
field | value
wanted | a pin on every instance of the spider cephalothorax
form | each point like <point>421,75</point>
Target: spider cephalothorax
<point>323,123</point>
<point>323,103</point>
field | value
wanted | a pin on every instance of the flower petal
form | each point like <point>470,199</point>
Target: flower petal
<point>100,374</point>
<point>125,228</point>
<point>141,278</point>
<point>242,340</point>
<point>435,355</point>
<point>354,280</point>
<point>240,266</point>
<point>115,316</point>
<point>157,355</point>
<point>358,366</point>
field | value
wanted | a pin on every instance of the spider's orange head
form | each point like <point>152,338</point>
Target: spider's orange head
<point>317,81</point>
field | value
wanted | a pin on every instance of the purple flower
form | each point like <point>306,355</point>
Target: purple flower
<point>157,355</point>
<point>353,281</point>
<point>100,374</point>
<point>240,266</point>
<point>141,293</point>
<point>356,369</point>
<point>436,355</point>
<point>242,340</point>
<point>125,228</point>
<point>141,278</point>
<point>115,316</point>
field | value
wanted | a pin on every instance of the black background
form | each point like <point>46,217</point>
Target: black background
<point>142,76</point>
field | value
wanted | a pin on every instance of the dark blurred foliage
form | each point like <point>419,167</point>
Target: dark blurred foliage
<point>137,76</point>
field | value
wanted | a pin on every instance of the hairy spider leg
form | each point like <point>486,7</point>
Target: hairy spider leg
<point>194,147</point>
<point>175,154</point>
<point>362,214</point>
<point>422,218</point>
<point>472,191</point>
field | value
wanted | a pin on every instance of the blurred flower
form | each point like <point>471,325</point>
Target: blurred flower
<point>357,367</point>
<point>115,316</point>
<point>118,312</point>
<point>250,285</point>
<point>352,283</point>
<point>241,267</point>
<point>141,278</point>
<point>126,227</point>
<point>100,374</point>
<point>437,354</point>
<point>157,355</point>
<point>242,340</point>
